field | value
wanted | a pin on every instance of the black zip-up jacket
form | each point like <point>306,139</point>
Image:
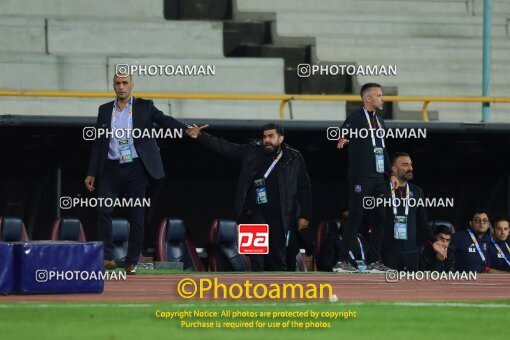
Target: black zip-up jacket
<point>293,181</point>
<point>361,150</point>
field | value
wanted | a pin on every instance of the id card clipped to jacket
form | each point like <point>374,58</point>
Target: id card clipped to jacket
<point>260,190</point>
<point>125,151</point>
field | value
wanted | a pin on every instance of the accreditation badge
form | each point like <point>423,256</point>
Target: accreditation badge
<point>400,228</point>
<point>379,159</point>
<point>125,151</point>
<point>260,190</point>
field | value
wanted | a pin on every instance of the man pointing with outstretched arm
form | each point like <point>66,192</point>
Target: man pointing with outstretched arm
<point>273,189</point>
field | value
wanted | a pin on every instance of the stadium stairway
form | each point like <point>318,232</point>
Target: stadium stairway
<point>72,47</point>
<point>436,45</point>
<point>255,46</point>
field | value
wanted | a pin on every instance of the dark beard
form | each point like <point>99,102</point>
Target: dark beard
<point>270,152</point>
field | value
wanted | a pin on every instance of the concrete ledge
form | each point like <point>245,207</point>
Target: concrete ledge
<point>109,38</point>
<point>22,35</point>
<point>248,9</point>
<point>44,72</point>
<point>233,75</point>
<point>119,9</point>
<point>303,24</point>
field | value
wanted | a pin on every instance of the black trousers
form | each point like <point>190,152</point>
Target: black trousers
<point>359,189</point>
<point>131,180</point>
<point>402,261</point>
<point>276,259</point>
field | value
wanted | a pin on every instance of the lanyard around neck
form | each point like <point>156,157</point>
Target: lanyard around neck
<point>271,167</point>
<point>476,245</point>
<point>406,201</point>
<point>130,115</point>
<point>501,252</point>
<point>372,133</point>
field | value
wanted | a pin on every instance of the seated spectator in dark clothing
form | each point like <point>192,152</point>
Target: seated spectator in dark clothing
<point>499,249</point>
<point>431,260</point>
<point>471,246</point>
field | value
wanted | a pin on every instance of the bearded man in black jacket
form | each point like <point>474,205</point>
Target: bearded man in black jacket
<point>273,189</point>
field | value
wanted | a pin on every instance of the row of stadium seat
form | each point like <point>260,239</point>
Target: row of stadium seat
<point>12,229</point>
<point>174,243</point>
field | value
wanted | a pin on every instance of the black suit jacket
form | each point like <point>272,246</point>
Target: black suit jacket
<point>145,114</point>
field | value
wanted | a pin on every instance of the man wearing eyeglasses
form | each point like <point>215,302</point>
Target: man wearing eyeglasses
<point>471,246</point>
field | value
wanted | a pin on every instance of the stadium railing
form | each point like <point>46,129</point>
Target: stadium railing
<point>283,98</point>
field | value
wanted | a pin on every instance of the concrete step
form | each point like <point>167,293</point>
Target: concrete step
<point>298,24</point>
<point>45,72</point>
<point>112,9</point>
<point>182,39</point>
<point>414,42</point>
<point>69,107</point>
<point>440,76</point>
<point>24,35</point>
<point>456,112</point>
<point>419,89</point>
<point>393,55</point>
<point>498,6</point>
<point>233,75</point>
<point>177,108</point>
<point>256,109</point>
<point>261,9</point>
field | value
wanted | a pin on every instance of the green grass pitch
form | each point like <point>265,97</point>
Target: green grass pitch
<point>390,320</point>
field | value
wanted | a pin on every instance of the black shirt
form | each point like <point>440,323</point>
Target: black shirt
<point>361,150</point>
<point>418,228</point>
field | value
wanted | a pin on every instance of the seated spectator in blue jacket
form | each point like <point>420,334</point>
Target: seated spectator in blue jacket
<point>431,260</point>
<point>471,245</point>
<point>499,249</point>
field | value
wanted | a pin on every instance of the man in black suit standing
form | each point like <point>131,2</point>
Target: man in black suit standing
<point>120,163</point>
<point>368,166</point>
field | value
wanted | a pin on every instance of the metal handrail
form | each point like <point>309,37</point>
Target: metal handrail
<point>283,98</point>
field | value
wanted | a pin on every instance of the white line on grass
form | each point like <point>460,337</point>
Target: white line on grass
<point>76,305</point>
<point>258,304</point>
<point>437,304</point>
